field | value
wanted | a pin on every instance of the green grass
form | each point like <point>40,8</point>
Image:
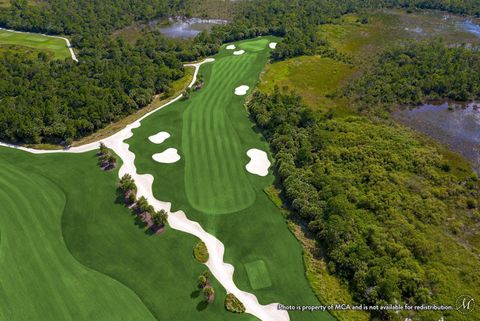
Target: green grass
<point>69,250</point>
<point>40,279</point>
<point>215,185</point>
<point>258,275</point>
<point>315,78</point>
<point>216,126</point>
<point>57,47</point>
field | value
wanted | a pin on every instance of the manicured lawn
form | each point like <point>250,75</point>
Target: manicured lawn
<point>57,47</point>
<point>70,251</point>
<point>212,133</point>
<point>40,279</point>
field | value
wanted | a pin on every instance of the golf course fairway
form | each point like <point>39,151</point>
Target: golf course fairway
<point>70,250</point>
<point>156,274</point>
<point>56,46</point>
<point>212,134</point>
<point>36,266</point>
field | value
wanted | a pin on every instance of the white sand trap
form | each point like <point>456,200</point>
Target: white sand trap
<point>159,138</point>
<point>259,162</point>
<point>239,52</point>
<point>242,90</point>
<point>168,156</point>
<point>231,47</point>
<point>272,45</point>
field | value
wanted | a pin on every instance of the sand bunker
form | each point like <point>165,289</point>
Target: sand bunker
<point>242,90</point>
<point>231,47</point>
<point>168,156</point>
<point>239,52</point>
<point>272,45</point>
<point>259,162</point>
<point>159,138</point>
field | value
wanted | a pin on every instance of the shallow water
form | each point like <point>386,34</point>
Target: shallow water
<point>471,27</point>
<point>457,127</point>
<point>189,28</point>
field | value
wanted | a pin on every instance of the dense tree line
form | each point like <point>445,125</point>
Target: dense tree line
<point>56,101</point>
<point>417,72</point>
<point>368,192</point>
<point>297,21</point>
<point>46,101</point>
<point>84,17</point>
<point>52,101</point>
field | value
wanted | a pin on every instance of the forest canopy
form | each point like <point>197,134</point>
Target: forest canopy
<point>376,197</point>
<point>59,101</point>
<point>417,72</point>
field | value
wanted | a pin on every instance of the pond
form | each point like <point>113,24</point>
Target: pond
<point>187,28</point>
<point>456,126</point>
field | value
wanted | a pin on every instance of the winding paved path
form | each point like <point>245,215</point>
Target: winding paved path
<point>222,271</point>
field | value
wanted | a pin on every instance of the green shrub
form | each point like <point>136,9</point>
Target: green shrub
<point>232,304</point>
<point>200,252</point>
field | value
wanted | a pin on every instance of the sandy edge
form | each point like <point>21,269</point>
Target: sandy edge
<point>69,46</point>
<point>222,271</point>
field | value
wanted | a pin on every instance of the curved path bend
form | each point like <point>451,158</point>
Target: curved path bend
<point>222,271</point>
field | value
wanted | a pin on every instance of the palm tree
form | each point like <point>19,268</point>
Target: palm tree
<point>131,198</point>
<point>206,274</point>
<point>142,204</point>
<point>202,281</point>
<point>102,150</point>
<point>209,294</point>
<point>112,161</point>
<point>160,218</point>
<point>127,185</point>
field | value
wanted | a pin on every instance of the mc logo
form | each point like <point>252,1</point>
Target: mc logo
<point>465,304</point>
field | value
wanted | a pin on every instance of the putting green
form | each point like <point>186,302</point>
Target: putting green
<point>49,201</point>
<point>258,275</point>
<point>39,278</point>
<point>255,45</point>
<point>58,47</point>
<point>212,133</point>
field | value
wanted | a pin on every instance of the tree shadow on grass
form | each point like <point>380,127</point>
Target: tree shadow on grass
<point>149,232</point>
<point>202,305</point>
<point>138,222</point>
<point>195,294</point>
<point>119,197</point>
